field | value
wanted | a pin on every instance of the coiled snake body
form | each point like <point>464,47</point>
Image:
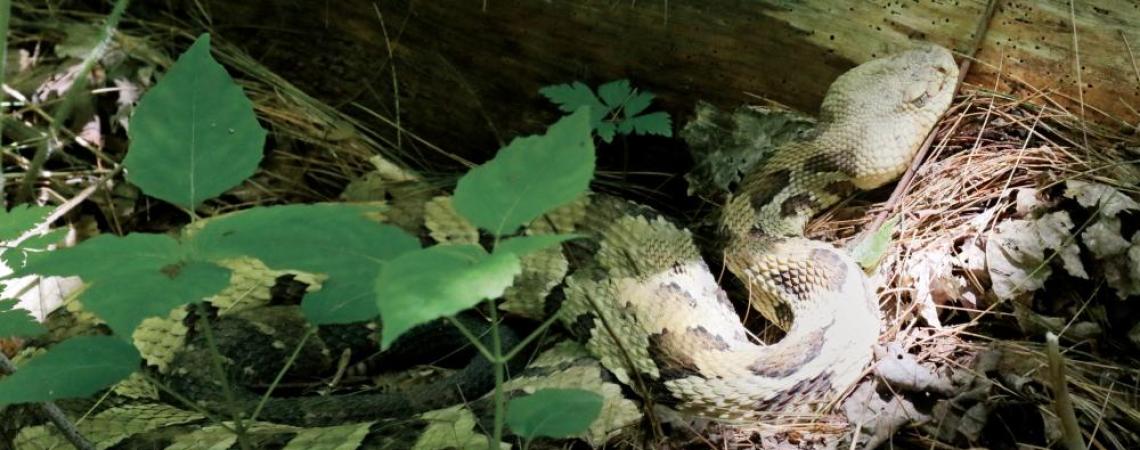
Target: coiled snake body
<point>657,310</point>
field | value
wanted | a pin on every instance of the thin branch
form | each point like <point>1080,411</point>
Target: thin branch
<point>53,413</point>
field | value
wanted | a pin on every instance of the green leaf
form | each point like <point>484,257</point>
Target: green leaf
<point>555,413</point>
<point>523,245</point>
<point>657,123</point>
<point>132,277</point>
<point>529,176</point>
<point>44,240</point>
<point>606,131</point>
<point>16,322</point>
<point>152,292</point>
<point>636,104</point>
<point>337,240</point>
<point>17,256</point>
<point>625,126</point>
<point>106,257</point>
<point>194,134</point>
<point>77,367</point>
<point>20,219</point>
<point>79,40</point>
<point>869,251</point>
<point>570,97</point>
<point>615,93</point>
<point>439,281</point>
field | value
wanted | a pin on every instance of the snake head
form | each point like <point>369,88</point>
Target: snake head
<point>876,115</point>
<point>917,84</point>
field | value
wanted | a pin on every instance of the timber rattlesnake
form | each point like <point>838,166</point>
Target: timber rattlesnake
<point>670,313</point>
<point>650,311</point>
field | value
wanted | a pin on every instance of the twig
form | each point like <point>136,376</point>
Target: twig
<point>1131,56</point>
<point>395,81</point>
<point>53,413</point>
<point>5,14</point>
<point>1062,403</point>
<point>1077,69</point>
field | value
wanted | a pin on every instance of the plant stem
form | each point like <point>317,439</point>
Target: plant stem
<point>1062,403</point>
<point>472,338</point>
<point>190,404</point>
<point>281,373</point>
<point>53,413</point>
<point>220,372</point>
<point>497,364</point>
<point>532,336</point>
<point>5,14</point>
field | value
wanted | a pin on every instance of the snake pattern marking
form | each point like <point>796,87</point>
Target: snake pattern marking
<point>659,302</point>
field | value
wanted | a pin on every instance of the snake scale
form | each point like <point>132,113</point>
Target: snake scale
<point>649,310</point>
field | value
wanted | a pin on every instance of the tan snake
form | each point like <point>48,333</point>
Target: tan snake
<point>657,310</point>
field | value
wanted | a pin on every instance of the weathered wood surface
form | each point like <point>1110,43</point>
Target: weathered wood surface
<point>468,77</point>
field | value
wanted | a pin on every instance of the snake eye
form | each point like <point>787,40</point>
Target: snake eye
<point>921,100</point>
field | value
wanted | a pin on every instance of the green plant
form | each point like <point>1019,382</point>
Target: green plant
<point>194,136</point>
<point>616,109</point>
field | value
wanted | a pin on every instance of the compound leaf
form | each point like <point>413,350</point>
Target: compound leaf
<point>615,93</point>
<point>20,219</point>
<point>17,322</point>
<point>657,123</point>
<point>636,104</point>
<point>606,131</point>
<point>570,97</point>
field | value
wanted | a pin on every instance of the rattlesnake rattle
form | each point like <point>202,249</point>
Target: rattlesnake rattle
<point>654,307</point>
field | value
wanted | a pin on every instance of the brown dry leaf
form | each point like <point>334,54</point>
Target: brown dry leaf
<point>1054,230</point>
<point>57,85</point>
<point>1026,201</point>
<point>1103,238</point>
<point>1122,271</point>
<point>931,274</point>
<point>1089,195</point>
<point>879,418</point>
<point>369,187</point>
<point>1035,324</point>
<point>1015,257</point>
<point>128,96</point>
<point>1017,253</point>
<point>972,258</point>
<point>899,369</point>
<point>92,132</point>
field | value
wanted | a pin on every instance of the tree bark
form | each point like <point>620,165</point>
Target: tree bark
<point>467,73</point>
